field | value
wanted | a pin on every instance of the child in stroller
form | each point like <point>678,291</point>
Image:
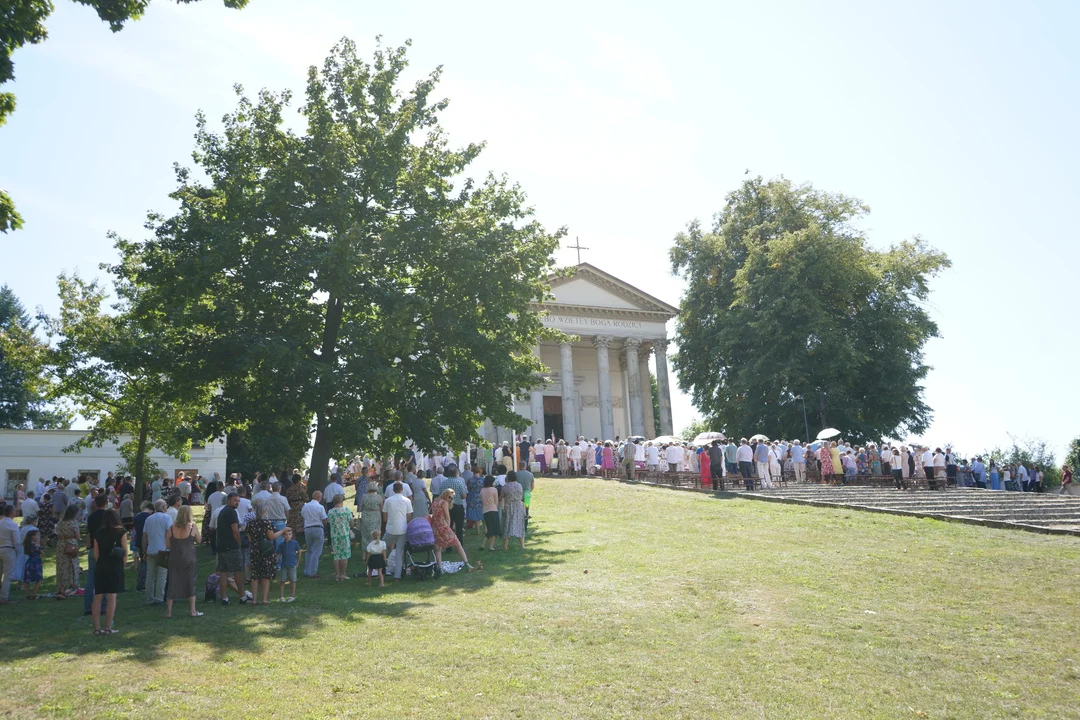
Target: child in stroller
<point>420,550</point>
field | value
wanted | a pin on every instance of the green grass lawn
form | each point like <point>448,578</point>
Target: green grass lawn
<point>629,601</point>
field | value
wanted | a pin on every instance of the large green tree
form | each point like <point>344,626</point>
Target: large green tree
<point>23,402</point>
<point>786,300</point>
<point>22,22</point>
<point>351,270</point>
<point>114,366</point>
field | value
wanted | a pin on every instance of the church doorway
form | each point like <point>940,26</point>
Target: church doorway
<point>553,416</point>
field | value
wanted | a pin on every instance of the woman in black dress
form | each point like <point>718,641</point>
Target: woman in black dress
<point>110,552</point>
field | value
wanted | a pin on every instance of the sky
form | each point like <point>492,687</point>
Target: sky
<point>955,121</point>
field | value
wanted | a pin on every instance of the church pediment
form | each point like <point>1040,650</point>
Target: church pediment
<point>588,286</point>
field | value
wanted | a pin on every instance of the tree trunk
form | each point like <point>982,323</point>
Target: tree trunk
<point>320,453</point>
<point>821,411</point>
<point>140,456</point>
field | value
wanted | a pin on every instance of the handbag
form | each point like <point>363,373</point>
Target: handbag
<point>71,549</point>
<point>266,547</point>
<point>163,559</point>
<point>117,552</point>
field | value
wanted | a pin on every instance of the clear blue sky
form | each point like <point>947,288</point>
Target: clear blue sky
<point>624,121</point>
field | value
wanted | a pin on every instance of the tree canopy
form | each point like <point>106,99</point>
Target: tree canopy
<point>350,273</point>
<point>23,401</point>
<point>786,300</point>
<point>114,367</point>
<point>22,22</point>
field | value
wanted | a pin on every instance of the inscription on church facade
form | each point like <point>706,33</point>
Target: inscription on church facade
<point>563,320</point>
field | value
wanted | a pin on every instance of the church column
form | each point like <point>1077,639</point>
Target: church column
<point>624,392</point>
<point>603,370</point>
<point>637,417</point>
<point>569,407</point>
<point>663,386</point>
<point>536,405</point>
<point>646,393</point>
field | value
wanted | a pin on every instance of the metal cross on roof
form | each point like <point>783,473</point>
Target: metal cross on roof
<point>579,247</point>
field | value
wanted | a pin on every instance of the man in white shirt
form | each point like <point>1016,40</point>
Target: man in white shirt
<point>332,491</point>
<point>314,515</point>
<point>897,463</point>
<point>30,505</point>
<point>575,458</point>
<point>745,457</point>
<point>153,542</point>
<point>928,463</point>
<point>652,458</point>
<point>673,456</point>
<point>183,485</point>
<point>798,461</point>
<point>397,512</point>
<point>886,460</point>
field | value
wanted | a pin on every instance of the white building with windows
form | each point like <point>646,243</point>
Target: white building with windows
<point>26,455</point>
<point>599,383</point>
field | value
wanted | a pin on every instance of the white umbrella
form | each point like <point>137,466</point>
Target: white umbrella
<point>664,439</point>
<point>707,437</point>
<point>759,437</point>
<point>828,433</point>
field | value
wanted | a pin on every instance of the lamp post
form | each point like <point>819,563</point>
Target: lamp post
<point>805,422</point>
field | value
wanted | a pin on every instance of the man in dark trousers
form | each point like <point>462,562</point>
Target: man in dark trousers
<point>716,465</point>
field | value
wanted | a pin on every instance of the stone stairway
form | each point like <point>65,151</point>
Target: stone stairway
<point>1036,512</point>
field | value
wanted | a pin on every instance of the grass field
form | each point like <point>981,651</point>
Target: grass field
<point>629,601</point>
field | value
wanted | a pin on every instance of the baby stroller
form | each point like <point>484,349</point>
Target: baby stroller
<point>420,550</point>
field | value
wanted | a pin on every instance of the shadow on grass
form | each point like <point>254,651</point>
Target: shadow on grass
<point>57,629</point>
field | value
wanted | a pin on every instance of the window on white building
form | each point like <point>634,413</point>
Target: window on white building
<point>91,475</point>
<point>13,478</point>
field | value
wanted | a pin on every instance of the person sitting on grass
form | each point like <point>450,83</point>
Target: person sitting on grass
<point>290,557</point>
<point>32,571</point>
<point>376,558</point>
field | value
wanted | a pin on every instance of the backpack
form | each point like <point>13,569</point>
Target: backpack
<point>213,583</point>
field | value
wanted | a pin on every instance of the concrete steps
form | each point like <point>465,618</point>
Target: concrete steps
<point>1055,514</point>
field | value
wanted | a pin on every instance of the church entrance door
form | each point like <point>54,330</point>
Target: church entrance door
<point>553,416</point>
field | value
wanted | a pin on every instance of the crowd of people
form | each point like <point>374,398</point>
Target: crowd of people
<point>253,528</point>
<point>759,463</point>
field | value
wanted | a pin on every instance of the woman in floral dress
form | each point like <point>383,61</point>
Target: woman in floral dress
<point>297,496</point>
<point>513,511</point>
<point>46,522</point>
<point>440,525</point>
<point>825,456</point>
<point>67,567</point>
<point>862,462</point>
<point>340,520</point>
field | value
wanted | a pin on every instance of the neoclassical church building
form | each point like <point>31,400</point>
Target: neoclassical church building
<point>598,384</point>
